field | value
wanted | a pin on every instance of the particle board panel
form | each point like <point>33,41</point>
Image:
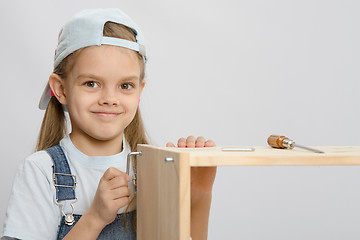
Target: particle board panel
<point>163,201</point>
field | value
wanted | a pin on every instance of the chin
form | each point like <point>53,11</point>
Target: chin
<point>106,137</point>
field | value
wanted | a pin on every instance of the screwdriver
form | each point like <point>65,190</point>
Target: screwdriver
<point>277,141</point>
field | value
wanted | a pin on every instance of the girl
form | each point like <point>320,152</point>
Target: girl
<point>74,186</point>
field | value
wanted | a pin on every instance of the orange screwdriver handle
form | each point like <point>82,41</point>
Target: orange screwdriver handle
<point>277,141</point>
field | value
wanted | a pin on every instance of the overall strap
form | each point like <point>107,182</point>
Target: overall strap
<point>64,181</point>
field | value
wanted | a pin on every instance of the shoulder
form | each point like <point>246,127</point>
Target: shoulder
<point>38,156</point>
<point>35,172</point>
<point>36,167</point>
<point>39,162</point>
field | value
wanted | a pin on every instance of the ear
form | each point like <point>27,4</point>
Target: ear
<point>58,88</point>
<point>142,85</point>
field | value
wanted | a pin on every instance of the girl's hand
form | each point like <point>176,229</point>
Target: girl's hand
<point>202,178</point>
<point>111,195</point>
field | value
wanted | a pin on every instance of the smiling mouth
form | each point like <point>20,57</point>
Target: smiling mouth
<point>107,114</point>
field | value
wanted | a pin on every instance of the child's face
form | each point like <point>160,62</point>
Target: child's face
<point>102,92</point>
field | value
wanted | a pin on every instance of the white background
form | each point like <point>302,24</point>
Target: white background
<point>234,71</point>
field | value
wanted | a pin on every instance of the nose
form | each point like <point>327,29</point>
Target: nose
<point>109,98</point>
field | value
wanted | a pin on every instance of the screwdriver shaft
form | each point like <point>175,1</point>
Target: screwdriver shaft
<point>307,148</point>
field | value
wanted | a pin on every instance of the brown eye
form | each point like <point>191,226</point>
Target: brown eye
<point>125,86</point>
<point>91,84</point>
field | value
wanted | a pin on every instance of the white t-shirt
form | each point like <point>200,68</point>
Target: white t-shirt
<point>32,212</point>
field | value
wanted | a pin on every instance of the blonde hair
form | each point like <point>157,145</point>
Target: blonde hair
<point>53,127</point>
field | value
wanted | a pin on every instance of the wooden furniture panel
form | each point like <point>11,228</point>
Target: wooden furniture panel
<point>163,201</point>
<point>163,195</point>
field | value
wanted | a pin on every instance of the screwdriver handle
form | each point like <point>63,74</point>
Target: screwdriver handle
<point>277,141</point>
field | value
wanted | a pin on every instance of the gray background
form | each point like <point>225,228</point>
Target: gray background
<point>233,71</point>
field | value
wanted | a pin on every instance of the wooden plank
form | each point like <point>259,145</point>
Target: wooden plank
<point>266,156</point>
<point>163,202</point>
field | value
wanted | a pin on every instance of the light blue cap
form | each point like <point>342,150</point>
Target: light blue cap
<point>86,29</point>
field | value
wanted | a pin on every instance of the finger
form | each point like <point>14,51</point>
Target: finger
<point>200,142</point>
<point>120,193</point>
<point>210,143</point>
<point>190,142</point>
<point>118,182</point>
<point>111,173</point>
<point>170,144</point>
<point>122,202</point>
<point>181,143</point>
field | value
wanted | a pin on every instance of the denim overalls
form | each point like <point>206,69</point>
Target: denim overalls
<point>65,184</point>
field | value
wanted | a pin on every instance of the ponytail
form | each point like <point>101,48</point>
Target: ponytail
<point>53,127</point>
<point>135,132</point>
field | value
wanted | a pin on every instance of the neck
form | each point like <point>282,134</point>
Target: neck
<point>94,147</point>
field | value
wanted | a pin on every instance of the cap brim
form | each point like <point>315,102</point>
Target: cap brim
<point>45,97</point>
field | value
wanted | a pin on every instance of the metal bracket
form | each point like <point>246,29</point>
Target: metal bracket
<point>128,165</point>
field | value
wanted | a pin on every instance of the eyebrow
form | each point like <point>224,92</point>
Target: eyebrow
<point>88,75</point>
<point>93,76</point>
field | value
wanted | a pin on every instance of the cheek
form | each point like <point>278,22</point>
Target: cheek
<point>130,102</point>
<point>80,102</point>
<point>131,105</point>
